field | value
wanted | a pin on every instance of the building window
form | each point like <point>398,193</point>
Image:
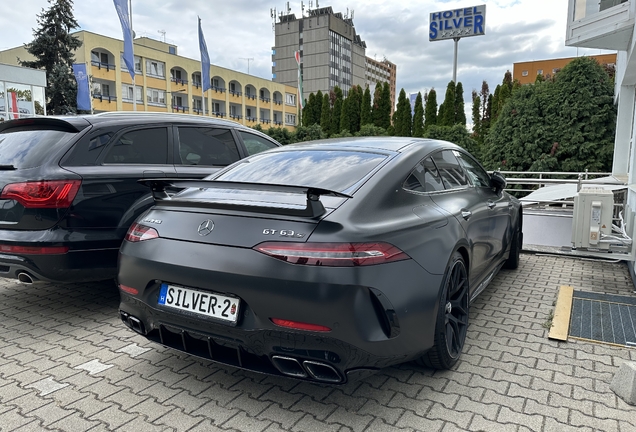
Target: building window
<point>137,64</point>
<point>524,73</point>
<point>155,69</point>
<point>540,72</point>
<point>127,93</point>
<point>290,119</point>
<point>290,99</point>
<point>156,97</point>
<point>172,50</point>
<point>100,89</point>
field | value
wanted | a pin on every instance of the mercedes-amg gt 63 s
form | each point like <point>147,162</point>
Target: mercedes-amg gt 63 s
<point>323,261</point>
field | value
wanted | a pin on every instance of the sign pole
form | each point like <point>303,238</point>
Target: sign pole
<point>455,60</point>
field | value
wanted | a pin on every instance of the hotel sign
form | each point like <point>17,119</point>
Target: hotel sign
<point>457,23</point>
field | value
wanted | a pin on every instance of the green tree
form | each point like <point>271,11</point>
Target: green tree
<point>430,111</point>
<point>337,111</point>
<point>447,113</point>
<point>418,117</point>
<point>309,111</point>
<point>365,109</point>
<point>355,100</point>
<point>325,115</point>
<point>345,115</point>
<point>385,106</point>
<point>53,48</point>
<point>371,130</point>
<point>376,111</point>
<point>564,125</point>
<point>280,134</point>
<point>460,114</point>
<point>457,134</point>
<point>318,107</point>
<point>402,121</point>
<point>308,133</point>
<point>476,117</point>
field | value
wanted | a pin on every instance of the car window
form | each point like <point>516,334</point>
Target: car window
<point>424,178</point>
<point>451,172</point>
<point>478,176</point>
<point>334,169</point>
<point>207,146</point>
<point>30,148</point>
<point>143,146</point>
<point>87,150</point>
<point>255,144</point>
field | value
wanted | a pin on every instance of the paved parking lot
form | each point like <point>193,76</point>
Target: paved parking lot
<point>67,363</point>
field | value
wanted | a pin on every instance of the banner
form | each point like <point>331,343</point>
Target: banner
<point>83,90</point>
<point>124,19</point>
<point>205,61</point>
<point>300,81</point>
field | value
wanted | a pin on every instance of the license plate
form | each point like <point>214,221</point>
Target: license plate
<point>199,302</point>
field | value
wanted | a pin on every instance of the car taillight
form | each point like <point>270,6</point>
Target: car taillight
<point>333,254</point>
<point>300,325</point>
<point>34,250</point>
<point>137,233</point>
<point>43,194</point>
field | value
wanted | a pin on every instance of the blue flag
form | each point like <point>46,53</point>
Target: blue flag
<point>83,91</point>
<point>124,19</point>
<point>413,97</point>
<point>205,61</point>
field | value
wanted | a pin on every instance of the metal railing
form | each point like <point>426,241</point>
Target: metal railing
<point>531,181</point>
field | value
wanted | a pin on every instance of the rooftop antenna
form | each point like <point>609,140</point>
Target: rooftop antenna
<point>249,59</point>
<point>288,9</point>
<point>317,5</point>
<point>272,14</point>
<point>352,14</point>
<point>163,34</point>
<point>302,9</point>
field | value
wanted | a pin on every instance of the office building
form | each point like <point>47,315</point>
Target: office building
<point>167,82</point>
<point>526,72</point>
<point>381,71</point>
<point>331,53</point>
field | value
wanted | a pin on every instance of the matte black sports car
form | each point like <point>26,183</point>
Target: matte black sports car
<point>322,261</point>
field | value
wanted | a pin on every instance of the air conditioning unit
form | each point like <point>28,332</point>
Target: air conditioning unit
<point>593,213</point>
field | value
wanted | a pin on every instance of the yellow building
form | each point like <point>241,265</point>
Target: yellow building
<point>167,82</point>
<point>526,72</point>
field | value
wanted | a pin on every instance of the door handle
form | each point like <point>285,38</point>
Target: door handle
<point>491,204</point>
<point>466,214</point>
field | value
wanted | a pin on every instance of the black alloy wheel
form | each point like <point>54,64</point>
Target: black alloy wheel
<point>452,318</point>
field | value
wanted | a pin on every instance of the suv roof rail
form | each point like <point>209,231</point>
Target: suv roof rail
<point>160,114</point>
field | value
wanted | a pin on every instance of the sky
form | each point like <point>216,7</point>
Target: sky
<point>516,30</point>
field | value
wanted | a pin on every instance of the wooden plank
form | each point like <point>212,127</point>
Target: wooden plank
<point>562,312</point>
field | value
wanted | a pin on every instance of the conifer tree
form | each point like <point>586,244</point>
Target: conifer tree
<point>418,117</point>
<point>365,108</point>
<point>325,115</point>
<point>385,106</point>
<point>318,107</point>
<point>345,114</point>
<point>449,112</point>
<point>402,117</point>
<point>376,111</point>
<point>337,111</point>
<point>53,48</point>
<point>430,112</point>
<point>460,114</point>
<point>476,116</point>
<point>308,111</point>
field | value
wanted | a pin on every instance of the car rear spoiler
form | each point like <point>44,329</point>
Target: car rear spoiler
<point>73,125</point>
<point>314,208</point>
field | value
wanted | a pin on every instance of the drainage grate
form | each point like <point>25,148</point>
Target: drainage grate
<point>603,318</point>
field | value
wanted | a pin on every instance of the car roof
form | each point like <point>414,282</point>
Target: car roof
<point>76,123</point>
<point>384,144</point>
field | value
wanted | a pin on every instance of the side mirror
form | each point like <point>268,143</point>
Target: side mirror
<point>498,182</point>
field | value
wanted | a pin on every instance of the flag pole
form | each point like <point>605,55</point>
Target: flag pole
<point>132,42</point>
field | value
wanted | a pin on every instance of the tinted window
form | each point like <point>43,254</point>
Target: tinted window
<point>450,170</point>
<point>144,146</point>
<point>29,149</point>
<point>334,170</point>
<point>424,178</point>
<point>207,146</point>
<point>87,150</point>
<point>255,144</point>
<point>478,176</point>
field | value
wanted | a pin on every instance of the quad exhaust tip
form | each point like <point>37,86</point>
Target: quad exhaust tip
<point>308,369</point>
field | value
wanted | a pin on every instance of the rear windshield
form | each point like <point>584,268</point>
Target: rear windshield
<point>333,170</point>
<point>30,149</point>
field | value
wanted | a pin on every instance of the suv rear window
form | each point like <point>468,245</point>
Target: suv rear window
<point>333,170</point>
<point>30,148</point>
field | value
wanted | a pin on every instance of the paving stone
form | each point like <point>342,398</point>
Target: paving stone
<point>177,420</point>
<point>309,424</point>
<point>419,423</point>
<point>12,420</point>
<point>357,422</point>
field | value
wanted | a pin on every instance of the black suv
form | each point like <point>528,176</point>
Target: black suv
<point>69,190</point>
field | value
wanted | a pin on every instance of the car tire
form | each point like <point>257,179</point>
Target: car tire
<point>452,318</point>
<point>515,250</point>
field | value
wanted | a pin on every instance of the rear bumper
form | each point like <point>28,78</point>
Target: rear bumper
<point>378,315</point>
<point>91,256</point>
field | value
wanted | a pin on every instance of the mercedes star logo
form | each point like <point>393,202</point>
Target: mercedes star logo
<point>206,227</point>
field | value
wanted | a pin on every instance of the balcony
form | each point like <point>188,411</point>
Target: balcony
<point>222,114</point>
<point>266,121</point>
<point>103,98</point>
<point>180,108</point>
<point>179,81</point>
<point>236,116</point>
<point>99,65</point>
<point>221,90</point>
<point>278,123</point>
<point>251,119</point>
<point>605,25</point>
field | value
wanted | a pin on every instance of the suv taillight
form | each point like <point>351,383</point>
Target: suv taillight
<point>333,254</point>
<point>49,194</point>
